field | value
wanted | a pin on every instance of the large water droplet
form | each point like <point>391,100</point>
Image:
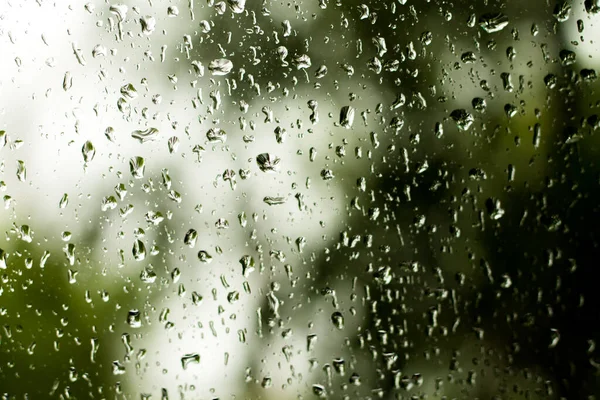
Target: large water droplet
<point>493,22</point>
<point>237,6</point>
<point>88,151</point>
<point>148,24</point>
<point>463,119</point>
<point>145,135</point>
<point>216,135</point>
<point>137,166</point>
<point>268,162</point>
<point>192,358</point>
<point>247,265</point>
<point>139,250</point>
<point>220,66</point>
<point>134,318</point>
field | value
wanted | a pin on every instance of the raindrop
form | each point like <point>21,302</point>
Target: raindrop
<point>479,104</point>
<point>302,61</point>
<point>347,116</point>
<point>67,81</point>
<point>138,250</point>
<point>148,24</point>
<point>137,166</point>
<point>173,144</point>
<point>462,118</point>
<point>268,162</point>
<point>274,200</point>
<point>64,201</point>
<point>216,135</point>
<point>493,22</point>
<point>237,6</point>
<point>192,358</point>
<point>567,57</point>
<point>134,318</point>
<point>220,66</point>
<point>204,257</point>
<point>110,133</point>
<point>338,320</point>
<point>247,265</point>
<point>145,135</point>
<point>129,92</point>
<point>21,171</point>
<point>190,238</point>
<point>88,151</point>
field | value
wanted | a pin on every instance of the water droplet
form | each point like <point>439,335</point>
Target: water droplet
<point>479,104</point>
<point>3,257</point>
<point>120,10</point>
<point>220,66</point>
<point>118,368</point>
<point>88,151</point>
<point>172,11</point>
<point>592,6</point>
<point>567,57</point>
<point>137,166</point>
<point>204,257</point>
<point>134,318</point>
<point>110,133</point>
<point>468,57</point>
<point>237,6</point>
<point>462,118</point>
<point>493,22</point>
<point>191,358</point>
<point>21,171</point>
<point>108,203</point>
<point>99,51</point>
<point>338,320</point>
<point>67,81</point>
<point>216,135</point>
<point>268,162</point>
<point>561,11</point>
<point>327,174</point>
<point>347,116</point>
<point>247,265</point>
<point>145,135</point>
<point>319,391</point>
<point>302,61</point>
<point>190,238</point>
<point>139,250</point>
<point>148,24</point>
<point>173,144</point>
<point>64,201</point>
<point>274,200</point>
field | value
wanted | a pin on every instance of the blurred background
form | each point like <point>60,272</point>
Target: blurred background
<point>305,199</point>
